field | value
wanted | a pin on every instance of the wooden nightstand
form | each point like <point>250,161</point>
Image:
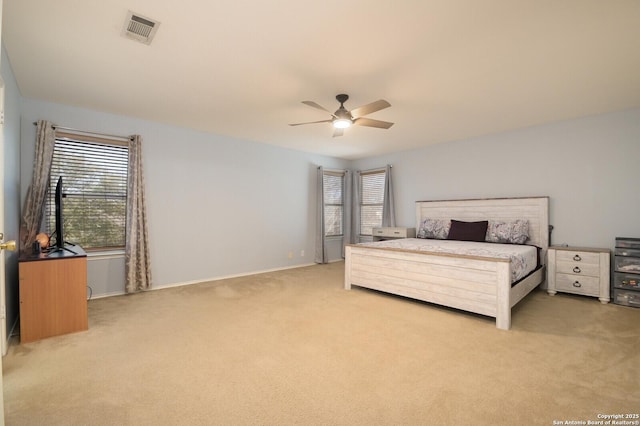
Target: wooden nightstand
<point>393,233</point>
<point>579,270</point>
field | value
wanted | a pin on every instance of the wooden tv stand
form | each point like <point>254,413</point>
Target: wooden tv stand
<point>53,294</point>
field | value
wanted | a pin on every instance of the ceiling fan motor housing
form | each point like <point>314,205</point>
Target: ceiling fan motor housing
<point>342,113</point>
<point>342,98</point>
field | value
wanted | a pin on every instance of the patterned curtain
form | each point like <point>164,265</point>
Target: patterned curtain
<point>137,261</point>
<point>33,208</point>
<point>321,250</point>
<point>348,232</point>
<point>355,207</point>
<point>388,209</point>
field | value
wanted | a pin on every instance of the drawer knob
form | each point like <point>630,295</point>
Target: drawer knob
<point>577,284</point>
<point>576,270</point>
<point>577,258</point>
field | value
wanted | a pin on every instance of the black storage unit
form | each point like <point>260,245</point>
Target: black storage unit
<point>626,275</point>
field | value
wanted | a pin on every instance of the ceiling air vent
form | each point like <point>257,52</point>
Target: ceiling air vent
<point>140,28</point>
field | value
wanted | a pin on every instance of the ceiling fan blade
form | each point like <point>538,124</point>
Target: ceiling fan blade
<point>338,132</point>
<point>370,108</point>
<point>315,105</point>
<point>311,122</point>
<point>369,122</point>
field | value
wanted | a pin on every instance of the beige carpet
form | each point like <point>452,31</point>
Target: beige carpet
<point>293,347</point>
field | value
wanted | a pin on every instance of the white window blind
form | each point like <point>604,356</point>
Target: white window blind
<point>333,203</point>
<point>94,176</point>
<point>372,198</point>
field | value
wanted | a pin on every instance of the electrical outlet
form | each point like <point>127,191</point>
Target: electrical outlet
<point>301,253</point>
<point>290,255</point>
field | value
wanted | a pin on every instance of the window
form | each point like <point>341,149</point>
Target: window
<point>94,174</point>
<point>333,183</point>
<point>371,200</point>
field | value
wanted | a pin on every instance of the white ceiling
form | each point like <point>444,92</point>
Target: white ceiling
<point>451,69</point>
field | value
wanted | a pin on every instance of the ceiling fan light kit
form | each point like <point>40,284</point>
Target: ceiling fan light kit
<point>344,118</point>
<point>342,123</point>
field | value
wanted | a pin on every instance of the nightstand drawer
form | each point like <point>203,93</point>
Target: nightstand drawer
<point>390,232</point>
<point>578,256</point>
<point>578,268</point>
<point>571,283</point>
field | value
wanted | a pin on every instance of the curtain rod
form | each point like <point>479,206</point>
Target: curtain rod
<point>377,169</point>
<point>56,127</point>
<point>370,170</point>
<point>332,170</point>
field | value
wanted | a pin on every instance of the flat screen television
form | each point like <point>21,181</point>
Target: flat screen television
<point>59,233</point>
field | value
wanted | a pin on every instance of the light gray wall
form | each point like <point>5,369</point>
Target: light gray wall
<point>11,174</point>
<point>588,167</point>
<point>217,206</point>
<point>221,207</point>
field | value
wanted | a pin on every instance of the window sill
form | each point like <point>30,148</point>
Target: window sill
<point>106,254</point>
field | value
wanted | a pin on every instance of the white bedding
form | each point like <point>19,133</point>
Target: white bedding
<point>524,259</point>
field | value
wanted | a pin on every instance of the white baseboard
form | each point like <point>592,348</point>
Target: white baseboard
<point>230,276</point>
<point>205,280</point>
<point>111,294</point>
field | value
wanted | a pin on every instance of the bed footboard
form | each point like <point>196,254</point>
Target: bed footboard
<point>478,285</point>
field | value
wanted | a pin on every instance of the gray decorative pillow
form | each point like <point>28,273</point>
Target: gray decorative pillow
<point>437,229</point>
<point>512,232</point>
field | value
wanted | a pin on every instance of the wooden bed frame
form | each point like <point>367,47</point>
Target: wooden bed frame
<point>476,284</point>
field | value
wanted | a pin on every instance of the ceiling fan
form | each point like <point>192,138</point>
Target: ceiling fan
<point>342,118</point>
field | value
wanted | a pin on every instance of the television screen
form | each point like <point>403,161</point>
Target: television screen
<point>59,234</point>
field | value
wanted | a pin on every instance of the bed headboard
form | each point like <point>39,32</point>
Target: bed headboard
<point>533,209</point>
